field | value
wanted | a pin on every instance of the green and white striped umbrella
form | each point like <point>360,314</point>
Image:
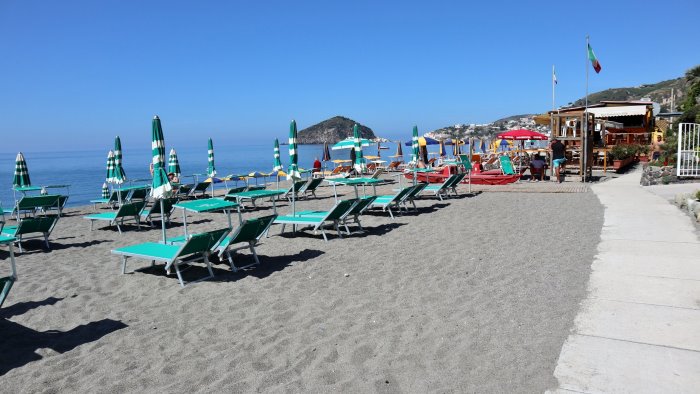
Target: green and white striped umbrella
<point>278,163</point>
<point>173,163</point>
<point>110,178</point>
<point>293,169</point>
<point>118,167</point>
<point>21,178</point>
<point>359,160</point>
<point>105,191</point>
<point>414,146</point>
<point>211,169</point>
<point>160,187</point>
<point>349,143</point>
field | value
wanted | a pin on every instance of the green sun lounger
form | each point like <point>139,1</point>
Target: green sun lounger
<point>334,216</point>
<point>386,202</point>
<point>249,233</point>
<point>30,205</point>
<point>147,214</point>
<point>363,203</point>
<point>443,189</point>
<point>6,240</point>
<point>42,225</point>
<point>113,199</point>
<point>310,187</point>
<point>413,194</point>
<point>199,190</point>
<point>253,195</point>
<point>125,211</point>
<point>506,165</point>
<point>197,247</point>
<point>295,189</point>
<point>138,193</point>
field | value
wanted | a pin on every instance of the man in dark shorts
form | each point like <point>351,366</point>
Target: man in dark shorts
<point>558,157</point>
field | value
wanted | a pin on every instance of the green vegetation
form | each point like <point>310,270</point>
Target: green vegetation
<point>658,92</point>
<point>623,151</point>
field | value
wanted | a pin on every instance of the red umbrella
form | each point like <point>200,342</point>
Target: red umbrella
<point>522,134</point>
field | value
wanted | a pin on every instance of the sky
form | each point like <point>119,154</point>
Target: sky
<point>73,74</point>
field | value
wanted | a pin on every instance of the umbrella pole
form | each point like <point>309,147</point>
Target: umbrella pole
<point>162,219</point>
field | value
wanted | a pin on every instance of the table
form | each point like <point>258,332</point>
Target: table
<point>354,182</point>
<point>208,205</point>
<point>9,241</point>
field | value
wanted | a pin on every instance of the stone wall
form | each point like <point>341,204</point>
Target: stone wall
<point>653,175</point>
<point>688,201</point>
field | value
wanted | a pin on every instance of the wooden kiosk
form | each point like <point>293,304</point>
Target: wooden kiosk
<point>578,137</point>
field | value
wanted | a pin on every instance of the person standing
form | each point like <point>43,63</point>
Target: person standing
<point>317,166</point>
<point>558,157</point>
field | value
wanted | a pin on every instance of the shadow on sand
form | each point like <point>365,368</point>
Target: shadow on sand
<point>20,344</point>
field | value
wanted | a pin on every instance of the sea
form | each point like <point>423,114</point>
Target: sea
<point>85,171</point>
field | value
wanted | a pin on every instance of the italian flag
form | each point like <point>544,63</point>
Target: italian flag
<point>594,60</point>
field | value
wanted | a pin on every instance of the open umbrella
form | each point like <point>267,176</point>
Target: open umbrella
<point>21,178</point>
<point>349,143</point>
<point>522,135</point>
<point>160,187</point>
<point>278,163</point>
<point>293,170</point>
<point>359,160</point>
<point>118,167</point>
<point>173,163</point>
<point>414,146</point>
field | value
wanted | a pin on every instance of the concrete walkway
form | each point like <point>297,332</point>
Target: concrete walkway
<point>638,330</point>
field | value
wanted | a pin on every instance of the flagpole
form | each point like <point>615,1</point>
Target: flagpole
<point>585,120</point>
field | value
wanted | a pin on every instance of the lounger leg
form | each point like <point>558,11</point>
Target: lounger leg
<point>91,223</point>
<point>208,263</point>
<point>357,220</point>
<point>282,228</point>
<point>118,228</point>
<point>345,223</point>
<point>252,250</point>
<point>391,213</point>
<point>179,275</point>
<point>46,240</point>
<point>19,244</point>
<point>12,260</point>
<point>323,232</point>
<point>230,261</point>
<point>124,264</point>
<point>337,228</point>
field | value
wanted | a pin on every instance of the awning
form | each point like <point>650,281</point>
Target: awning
<point>611,112</point>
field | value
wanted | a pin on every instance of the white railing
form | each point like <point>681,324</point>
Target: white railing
<point>688,162</point>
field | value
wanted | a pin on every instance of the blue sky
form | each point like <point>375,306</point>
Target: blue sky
<point>76,73</point>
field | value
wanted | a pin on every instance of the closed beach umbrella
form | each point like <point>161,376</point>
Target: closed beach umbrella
<point>278,163</point>
<point>105,191</point>
<point>326,152</point>
<point>160,187</point>
<point>173,163</point>
<point>118,165</point>
<point>211,169</point>
<point>110,167</point>
<point>21,178</point>
<point>399,150</point>
<point>293,170</point>
<point>414,146</point>
<point>359,160</point>
<point>482,147</point>
<point>442,148</point>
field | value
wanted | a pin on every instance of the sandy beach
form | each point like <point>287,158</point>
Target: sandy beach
<point>472,294</point>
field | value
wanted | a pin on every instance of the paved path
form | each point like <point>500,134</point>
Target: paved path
<point>638,330</point>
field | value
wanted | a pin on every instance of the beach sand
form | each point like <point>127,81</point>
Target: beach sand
<point>473,294</point>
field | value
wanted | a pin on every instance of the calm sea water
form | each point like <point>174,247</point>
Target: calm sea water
<point>85,170</point>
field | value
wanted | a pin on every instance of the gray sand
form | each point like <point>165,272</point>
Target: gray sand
<point>475,294</point>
